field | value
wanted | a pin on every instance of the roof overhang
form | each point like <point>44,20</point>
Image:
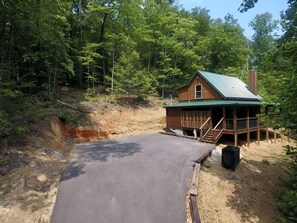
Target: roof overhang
<point>214,103</point>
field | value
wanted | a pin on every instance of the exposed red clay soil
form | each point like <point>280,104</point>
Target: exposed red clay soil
<point>83,134</point>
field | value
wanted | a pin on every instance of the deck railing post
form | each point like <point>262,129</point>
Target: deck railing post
<point>258,130</point>
<point>235,120</point>
<point>224,115</point>
<point>248,129</point>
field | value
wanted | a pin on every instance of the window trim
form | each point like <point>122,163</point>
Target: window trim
<point>196,91</point>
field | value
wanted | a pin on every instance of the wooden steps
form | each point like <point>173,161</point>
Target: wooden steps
<point>212,136</point>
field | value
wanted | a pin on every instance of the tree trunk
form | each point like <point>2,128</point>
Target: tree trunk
<point>112,73</point>
<point>102,51</point>
<point>80,68</point>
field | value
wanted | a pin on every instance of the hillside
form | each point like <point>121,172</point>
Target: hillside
<point>31,167</point>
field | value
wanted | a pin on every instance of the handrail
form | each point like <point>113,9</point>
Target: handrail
<point>219,135</point>
<point>206,133</point>
<point>240,119</point>
<point>207,120</point>
<point>218,124</point>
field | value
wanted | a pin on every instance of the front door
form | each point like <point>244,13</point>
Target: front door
<point>216,115</point>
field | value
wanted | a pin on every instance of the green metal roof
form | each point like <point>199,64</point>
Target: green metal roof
<point>202,103</point>
<point>228,87</point>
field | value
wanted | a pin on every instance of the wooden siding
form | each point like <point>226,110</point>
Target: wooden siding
<point>173,118</point>
<point>187,93</point>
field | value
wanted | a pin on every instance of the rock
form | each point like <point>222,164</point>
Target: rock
<point>18,183</point>
<point>208,163</point>
<point>4,169</point>
<point>45,217</point>
<point>267,162</point>
<point>49,152</point>
<point>42,178</point>
<point>240,156</point>
<point>230,176</point>
<point>21,182</point>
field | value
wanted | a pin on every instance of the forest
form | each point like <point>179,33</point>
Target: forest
<point>136,49</point>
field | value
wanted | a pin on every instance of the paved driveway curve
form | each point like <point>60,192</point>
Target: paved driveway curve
<point>128,180</point>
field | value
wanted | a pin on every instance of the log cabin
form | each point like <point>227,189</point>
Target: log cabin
<point>211,105</point>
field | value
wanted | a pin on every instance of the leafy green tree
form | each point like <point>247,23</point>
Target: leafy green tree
<point>263,41</point>
<point>88,59</point>
<point>225,47</point>
<point>246,5</point>
<point>130,79</point>
<point>202,19</point>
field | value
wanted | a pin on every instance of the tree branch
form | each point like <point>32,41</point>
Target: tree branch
<point>4,4</point>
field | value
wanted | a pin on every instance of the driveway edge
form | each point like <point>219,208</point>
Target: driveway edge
<point>194,210</point>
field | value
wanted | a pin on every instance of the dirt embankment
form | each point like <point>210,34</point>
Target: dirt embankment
<point>29,175</point>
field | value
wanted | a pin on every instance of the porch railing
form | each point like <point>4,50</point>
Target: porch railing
<point>193,119</point>
<point>243,123</point>
<point>218,130</point>
<point>205,128</point>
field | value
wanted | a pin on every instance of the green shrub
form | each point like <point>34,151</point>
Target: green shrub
<point>5,125</point>
<point>288,203</point>
<point>74,118</point>
<point>288,207</point>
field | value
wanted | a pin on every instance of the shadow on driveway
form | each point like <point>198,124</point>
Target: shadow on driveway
<point>98,151</point>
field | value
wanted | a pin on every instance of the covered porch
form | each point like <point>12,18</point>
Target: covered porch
<point>210,122</point>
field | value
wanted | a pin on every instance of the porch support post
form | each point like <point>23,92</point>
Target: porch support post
<point>258,136</point>
<point>258,130</point>
<point>195,133</point>
<point>274,136</point>
<point>281,135</point>
<point>210,118</point>
<point>235,120</point>
<point>267,135</point>
<point>224,116</point>
<point>235,126</point>
<point>248,127</point>
<point>236,139</point>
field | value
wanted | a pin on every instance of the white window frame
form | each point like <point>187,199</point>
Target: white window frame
<point>196,91</point>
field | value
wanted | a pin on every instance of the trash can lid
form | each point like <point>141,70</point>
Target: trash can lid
<point>230,148</point>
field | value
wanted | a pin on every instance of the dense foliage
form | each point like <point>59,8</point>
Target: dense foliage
<point>112,44</point>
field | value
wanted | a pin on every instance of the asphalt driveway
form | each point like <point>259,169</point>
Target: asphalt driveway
<point>128,180</point>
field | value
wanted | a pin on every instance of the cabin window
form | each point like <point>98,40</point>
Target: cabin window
<point>198,91</point>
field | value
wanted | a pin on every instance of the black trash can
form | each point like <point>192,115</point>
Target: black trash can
<point>230,157</point>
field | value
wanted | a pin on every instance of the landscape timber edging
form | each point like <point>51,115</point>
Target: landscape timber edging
<point>194,210</point>
<point>174,134</point>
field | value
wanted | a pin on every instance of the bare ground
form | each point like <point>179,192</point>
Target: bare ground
<point>251,192</point>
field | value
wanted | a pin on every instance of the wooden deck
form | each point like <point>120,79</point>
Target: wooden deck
<point>202,121</point>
